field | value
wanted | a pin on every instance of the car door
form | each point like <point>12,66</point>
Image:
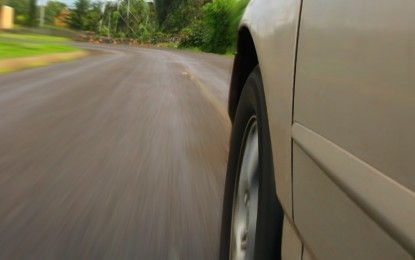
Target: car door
<point>354,129</point>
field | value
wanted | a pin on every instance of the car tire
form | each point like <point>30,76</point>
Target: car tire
<point>258,234</point>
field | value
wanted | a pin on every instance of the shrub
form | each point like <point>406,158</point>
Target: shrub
<point>192,36</point>
<point>217,21</point>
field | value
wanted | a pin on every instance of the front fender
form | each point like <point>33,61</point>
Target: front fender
<point>271,26</point>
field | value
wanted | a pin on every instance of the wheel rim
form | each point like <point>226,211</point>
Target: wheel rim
<point>245,203</point>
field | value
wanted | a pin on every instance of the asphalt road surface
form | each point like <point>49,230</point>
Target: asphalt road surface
<point>121,155</point>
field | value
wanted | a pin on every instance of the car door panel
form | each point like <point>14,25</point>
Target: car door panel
<point>333,183</point>
<point>354,90</point>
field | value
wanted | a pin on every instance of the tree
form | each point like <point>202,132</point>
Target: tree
<point>93,17</point>
<point>139,23</point>
<point>32,14</point>
<point>161,9</point>
<point>182,15</point>
<point>77,18</point>
<point>53,9</point>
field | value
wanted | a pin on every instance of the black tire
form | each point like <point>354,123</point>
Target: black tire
<point>269,213</point>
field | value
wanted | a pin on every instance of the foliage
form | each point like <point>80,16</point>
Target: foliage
<point>217,22</point>
<point>104,30</point>
<point>77,18</point>
<point>183,15</point>
<point>192,36</point>
<point>93,17</point>
<point>211,27</point>
<point>139,23</point>
<point>53,9</point>
<point>20,19</point>
<point>86,15</point>
<point>163,8</point>
<point>31,16</point>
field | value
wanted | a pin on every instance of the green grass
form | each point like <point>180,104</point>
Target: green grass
<point>25,45</point>
<point>32,37</point>
<point>21,49</point>
<point>229,54</point>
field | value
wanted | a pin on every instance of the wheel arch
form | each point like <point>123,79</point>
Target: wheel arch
<point>245,61</point>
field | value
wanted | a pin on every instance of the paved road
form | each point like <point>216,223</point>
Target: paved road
<point>118,156</point>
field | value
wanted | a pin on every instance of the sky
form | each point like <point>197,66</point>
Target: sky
<point>70,2</point>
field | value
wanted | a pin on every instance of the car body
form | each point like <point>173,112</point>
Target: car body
<point>339,85</point>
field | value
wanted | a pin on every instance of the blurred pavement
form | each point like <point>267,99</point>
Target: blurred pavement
<point>118,156</point>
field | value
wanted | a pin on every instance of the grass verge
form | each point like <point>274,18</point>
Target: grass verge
<point>32,37</point>
<point>10,50</point>
<point>27,45</point>
<point>20,51</point>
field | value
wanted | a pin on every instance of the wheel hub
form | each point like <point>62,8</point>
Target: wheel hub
<point>245,202</point>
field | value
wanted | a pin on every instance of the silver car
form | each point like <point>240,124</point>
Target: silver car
<point>322,156</point>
